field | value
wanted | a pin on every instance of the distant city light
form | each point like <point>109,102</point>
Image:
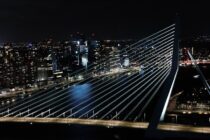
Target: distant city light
<point>126,62</point>
<point>84,61</point>
<point>78,42</point>
<point>80,77</point>
<point>196,76</point>
<point>141,70</point>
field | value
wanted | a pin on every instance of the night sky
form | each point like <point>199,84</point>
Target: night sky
<point>34,20</point>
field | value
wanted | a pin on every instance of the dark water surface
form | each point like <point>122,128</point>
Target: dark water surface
<point>20,131</point>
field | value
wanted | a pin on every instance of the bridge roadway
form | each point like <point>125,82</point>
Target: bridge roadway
<point>109,123</point>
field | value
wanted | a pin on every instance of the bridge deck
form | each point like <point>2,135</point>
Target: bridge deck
<point>109,123</point>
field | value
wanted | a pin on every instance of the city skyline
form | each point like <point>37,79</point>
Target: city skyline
<point>104,69</point>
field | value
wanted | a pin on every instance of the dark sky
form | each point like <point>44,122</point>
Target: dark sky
<point>32,20</point>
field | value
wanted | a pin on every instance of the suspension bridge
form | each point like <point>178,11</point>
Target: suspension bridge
<point>111,96</point>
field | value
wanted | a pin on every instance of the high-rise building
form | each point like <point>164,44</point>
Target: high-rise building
<point>17,65</point>
<point>44,64</point>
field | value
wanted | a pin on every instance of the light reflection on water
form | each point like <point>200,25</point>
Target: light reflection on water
<point>79,91</point>
<point>79,94</point>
